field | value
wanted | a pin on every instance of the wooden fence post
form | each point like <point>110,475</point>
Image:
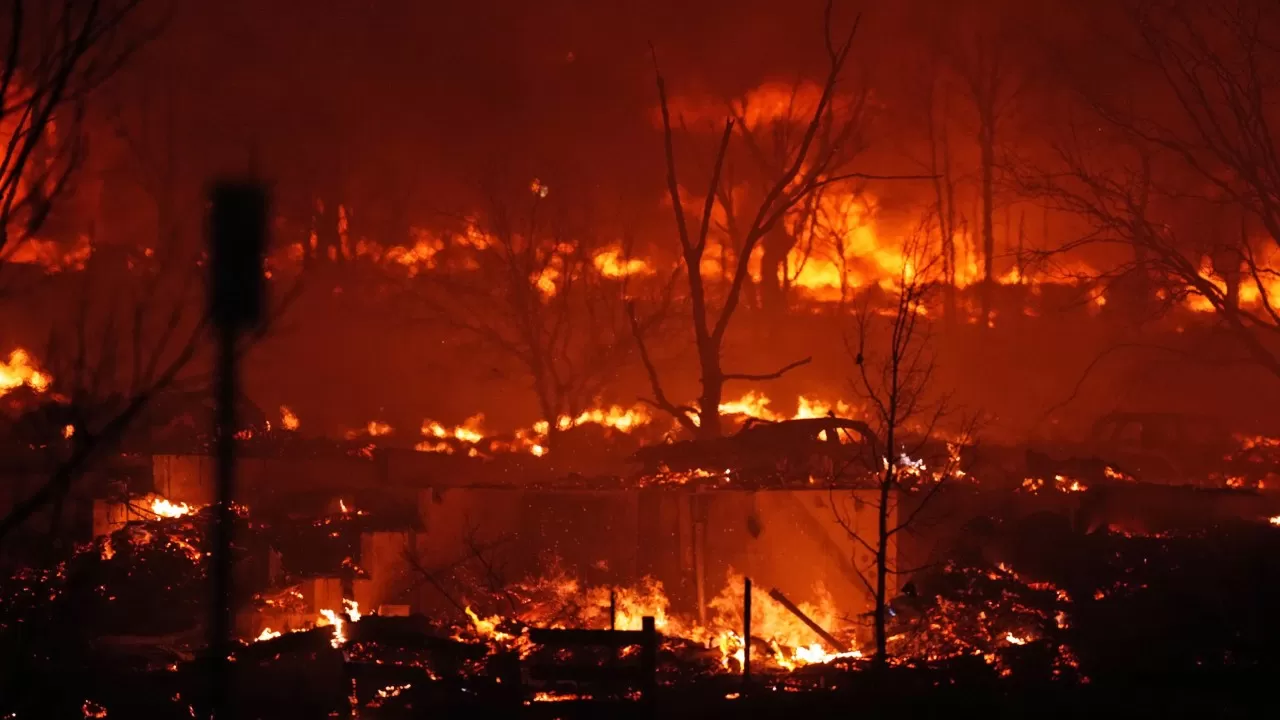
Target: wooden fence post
<point>746,635</point>
<point>649,659</point>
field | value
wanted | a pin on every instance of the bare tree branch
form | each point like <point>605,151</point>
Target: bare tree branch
<point>770,376</point>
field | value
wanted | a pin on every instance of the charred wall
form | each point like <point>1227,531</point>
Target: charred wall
<point>689,541</point>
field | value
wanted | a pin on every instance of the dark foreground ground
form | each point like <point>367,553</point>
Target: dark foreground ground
<point>1114,624</point>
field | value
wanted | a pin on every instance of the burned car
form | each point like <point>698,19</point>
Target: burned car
<point>1167,448</point>
<point>765,451</point>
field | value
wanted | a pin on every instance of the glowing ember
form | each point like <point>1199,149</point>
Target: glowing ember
<point>1113,474</point>
<point>1061,483</point>
<point>21,370</point>
<point>389,692</point>
<point>51,255</point>
<point>1066,484</point>
<point>1275,520</point>
<point>288,420</point>
<point>542,696</point>
<point>68,431</point>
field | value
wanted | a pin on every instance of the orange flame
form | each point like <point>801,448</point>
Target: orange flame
<point>162,507</point>
<point>21,370</point>
<point>611,263</point>
<point>792,642</point>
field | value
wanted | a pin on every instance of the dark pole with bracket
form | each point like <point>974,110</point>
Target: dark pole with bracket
<point>237,240</point>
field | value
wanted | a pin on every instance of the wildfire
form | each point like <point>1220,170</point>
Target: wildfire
<point>51,255</point>
<point>814,408</point>
<point>165,508</point>
<point>616,417</point>
<point>471,430</point>
<point>374,428</point>
<point>543,696</point>
<point>560,600</point>
<point>1061,483</point>
<point>1112,474</point>
<point>612,263</point>
<point>474,439</point>
<point>21,369</point>
<point>753,404</point>
<point>351,610</point>
<point>792,642</point>
<point>1274,520</point>
<point>288,420</point>
<point>1250,295</point>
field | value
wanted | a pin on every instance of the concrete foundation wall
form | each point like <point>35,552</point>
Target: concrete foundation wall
<point>689,541</point>
<point>261,481</point>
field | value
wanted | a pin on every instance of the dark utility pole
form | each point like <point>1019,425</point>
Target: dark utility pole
<point>237,238</point>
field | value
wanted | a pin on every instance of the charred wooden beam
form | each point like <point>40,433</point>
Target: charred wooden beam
<point>827,637</point>
<point>598,638</point>
<point>589,674</point>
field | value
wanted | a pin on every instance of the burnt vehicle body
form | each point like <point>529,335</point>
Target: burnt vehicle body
<point>764,450</point>
<point>1165,448</point>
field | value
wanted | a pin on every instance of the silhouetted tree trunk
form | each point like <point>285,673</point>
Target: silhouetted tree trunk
<point>987,146</point>
<point>806,171</point>
<point>894,377</point>
<point>777,245</point>
<point>944,194</point>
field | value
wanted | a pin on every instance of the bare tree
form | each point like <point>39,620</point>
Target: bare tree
<point>538,294</point>
<point>57,53</point>
<point>982,55</point>
<point>806,168</point>
<point>943,183</point>
<point>770,142</point>
<point>894,367</point>
<point>1194,132</point>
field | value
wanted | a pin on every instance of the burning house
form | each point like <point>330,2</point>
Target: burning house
<point>567,360</point>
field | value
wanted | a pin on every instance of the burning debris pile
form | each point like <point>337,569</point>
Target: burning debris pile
<point>991,613</point>
<point>138,593</point>
<point>782,641</point>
